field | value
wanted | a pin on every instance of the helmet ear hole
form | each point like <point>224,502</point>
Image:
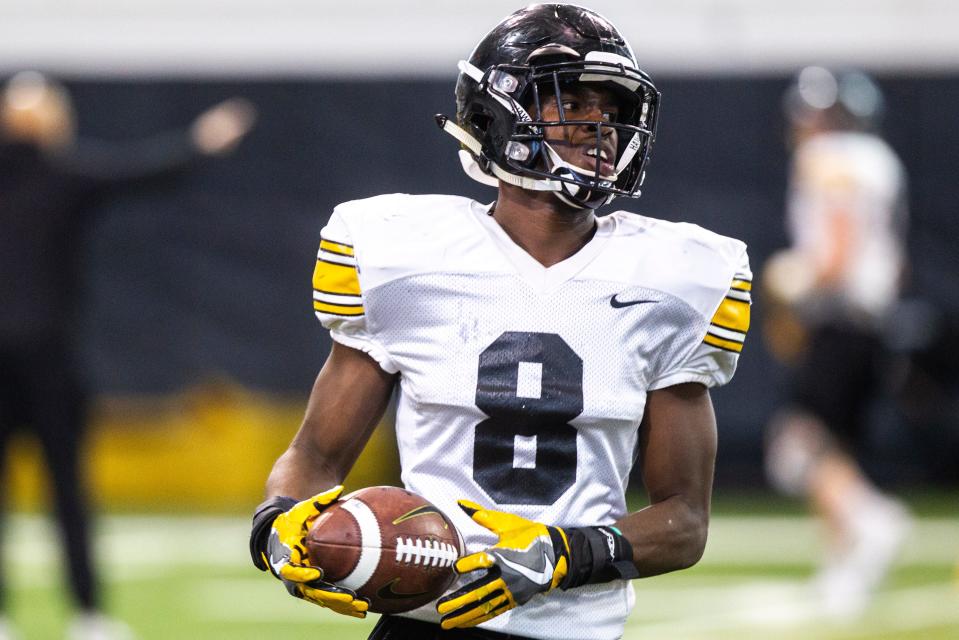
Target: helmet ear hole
<point>480,121</point>
<point>481,124</point>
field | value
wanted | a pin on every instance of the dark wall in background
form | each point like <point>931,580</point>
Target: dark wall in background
<point>209,273</point>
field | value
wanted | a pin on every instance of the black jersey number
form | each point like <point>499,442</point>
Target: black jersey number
<point>530,385</point>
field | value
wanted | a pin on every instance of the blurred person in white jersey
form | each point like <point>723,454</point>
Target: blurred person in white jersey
<point>829,296</point>
<point>50,180</point>
<point>536,348</point>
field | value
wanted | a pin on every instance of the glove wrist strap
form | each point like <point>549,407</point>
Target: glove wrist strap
<point>263,518</point>
<point>597,555</point>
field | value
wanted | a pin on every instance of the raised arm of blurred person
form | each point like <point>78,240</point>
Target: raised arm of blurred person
<point>216,132</point>
<point>37,111</point>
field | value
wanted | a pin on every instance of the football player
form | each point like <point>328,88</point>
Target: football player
<point>537,350</point>
<point>836,284</point>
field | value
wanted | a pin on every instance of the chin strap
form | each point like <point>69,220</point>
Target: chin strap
<point>565,191</point>
<point>575,195</point>
<point>525,182</point>
<point>557,163</point>
<point>461,134</point>
<point>473,169</point>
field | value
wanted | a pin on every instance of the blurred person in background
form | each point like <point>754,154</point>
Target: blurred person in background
<point>49,182</point>
<point>828,296</point>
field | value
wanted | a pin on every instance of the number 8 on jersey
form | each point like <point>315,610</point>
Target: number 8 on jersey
<point>531,386</point>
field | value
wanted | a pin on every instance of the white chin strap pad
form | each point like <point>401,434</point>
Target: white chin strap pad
<point>472,169</point>
<point>556,162</point>
<point>570,190</point>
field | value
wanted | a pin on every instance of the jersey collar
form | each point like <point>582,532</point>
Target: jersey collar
<point>543,280</point>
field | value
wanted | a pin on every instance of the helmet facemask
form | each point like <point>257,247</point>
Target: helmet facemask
<point>523,149</point>
<point>533,53</point>
<point>584,185</point>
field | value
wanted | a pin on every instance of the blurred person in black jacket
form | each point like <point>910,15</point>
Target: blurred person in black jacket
<point>49,181</point>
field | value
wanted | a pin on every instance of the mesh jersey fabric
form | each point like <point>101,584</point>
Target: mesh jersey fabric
<point>523,387</point>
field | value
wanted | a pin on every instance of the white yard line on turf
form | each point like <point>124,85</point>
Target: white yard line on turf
<point>764,540</point>
<point>257,599</point>
<point>772,608</point>
<point>125,543</point>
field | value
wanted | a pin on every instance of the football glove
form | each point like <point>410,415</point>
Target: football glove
<point>529,558</point>
<point>277,545</point>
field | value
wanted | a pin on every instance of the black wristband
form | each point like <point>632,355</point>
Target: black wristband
<point>597,555</point>
<point>263,519</point>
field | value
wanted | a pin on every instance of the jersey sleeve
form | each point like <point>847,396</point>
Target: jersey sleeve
<point>712,361</point>
<point>338,296</point>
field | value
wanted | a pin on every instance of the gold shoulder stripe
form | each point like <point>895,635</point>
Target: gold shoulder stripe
<point>338,279</point>
<point>733,315</point>
<point>336,247</point>
<point>338,309</point>
<point>740,285</point>
<point>725,345</point>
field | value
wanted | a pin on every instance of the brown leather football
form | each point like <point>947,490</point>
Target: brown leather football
<point>388,545</point>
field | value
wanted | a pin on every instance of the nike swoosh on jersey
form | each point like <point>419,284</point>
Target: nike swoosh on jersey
<point>539,577</point>
<point>619,304</point>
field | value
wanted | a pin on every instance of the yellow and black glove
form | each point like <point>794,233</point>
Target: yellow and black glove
<point>528,559</point>
<point>276,544</point>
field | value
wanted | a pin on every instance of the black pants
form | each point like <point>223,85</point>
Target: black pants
<point>40,391</point>
<point>841,373</point>
<point>394,628</point>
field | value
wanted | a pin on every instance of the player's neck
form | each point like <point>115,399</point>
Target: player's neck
<point>544,227</point>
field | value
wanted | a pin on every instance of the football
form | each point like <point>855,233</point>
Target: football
<point>388,545</point>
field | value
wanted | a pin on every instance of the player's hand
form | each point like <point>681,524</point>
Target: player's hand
<point>219,129</point>
<point>787,281</point>
<point>529,558</point>
<point>287,558</point>
<point>788,278</point>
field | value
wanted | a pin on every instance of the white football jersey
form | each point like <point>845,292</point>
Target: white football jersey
<point>522,387</point>
<point>859,175</point>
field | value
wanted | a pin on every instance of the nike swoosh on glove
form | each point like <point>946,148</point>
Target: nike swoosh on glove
<point>287,559</point>
<point>529,558</point>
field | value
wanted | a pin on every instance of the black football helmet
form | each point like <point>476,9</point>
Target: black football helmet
<point>535,52</point>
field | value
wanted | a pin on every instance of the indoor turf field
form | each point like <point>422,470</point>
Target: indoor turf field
<point>189,577</point>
